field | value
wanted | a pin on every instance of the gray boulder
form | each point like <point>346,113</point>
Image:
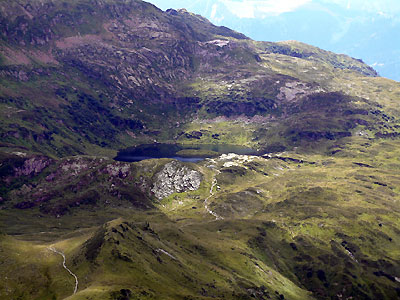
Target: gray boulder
<point>175,178</point>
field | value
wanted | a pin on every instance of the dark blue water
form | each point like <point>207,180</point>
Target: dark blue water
<point>149,151</point>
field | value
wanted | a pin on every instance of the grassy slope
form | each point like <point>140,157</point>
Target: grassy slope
<point>316,82</point>
<point>292,223</point>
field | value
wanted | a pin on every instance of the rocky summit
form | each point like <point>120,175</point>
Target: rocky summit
<point>314,215</point>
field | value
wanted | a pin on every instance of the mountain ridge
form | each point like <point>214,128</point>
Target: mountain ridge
<point>123,68</point>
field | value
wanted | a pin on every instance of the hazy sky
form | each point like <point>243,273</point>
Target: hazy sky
<point>263,8</point>
<point>254,8</point>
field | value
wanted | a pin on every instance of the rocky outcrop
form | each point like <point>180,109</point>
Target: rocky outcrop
<point>175,178</point>
<point>33,166</point>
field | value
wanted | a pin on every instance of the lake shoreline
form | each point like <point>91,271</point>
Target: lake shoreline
<point>182,152</point>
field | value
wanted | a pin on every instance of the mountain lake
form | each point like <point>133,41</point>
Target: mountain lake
<point>186,153</point>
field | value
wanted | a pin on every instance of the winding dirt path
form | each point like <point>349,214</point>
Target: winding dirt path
<point>66,268</point>
<point>214,183</point>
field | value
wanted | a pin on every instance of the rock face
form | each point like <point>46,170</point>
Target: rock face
<point>33,166</point>
<point>175,178</point>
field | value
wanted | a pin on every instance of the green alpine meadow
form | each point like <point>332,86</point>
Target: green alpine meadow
<point>311,211</point>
